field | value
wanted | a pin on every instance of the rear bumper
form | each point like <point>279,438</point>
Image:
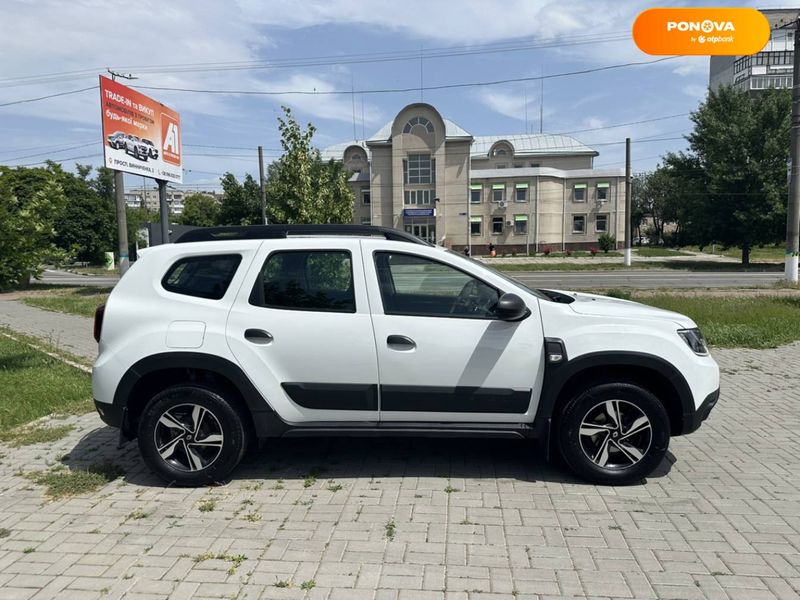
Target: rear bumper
<point>692,421</point>
<point>111,414</point>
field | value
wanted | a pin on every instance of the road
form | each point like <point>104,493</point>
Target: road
<point>643,279</point>
<point>654,278</point>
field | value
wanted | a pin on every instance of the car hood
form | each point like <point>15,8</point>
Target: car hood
<point>605,306</point>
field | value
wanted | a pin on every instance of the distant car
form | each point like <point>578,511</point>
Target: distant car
<point>641,241</point>
<point>153,151</point>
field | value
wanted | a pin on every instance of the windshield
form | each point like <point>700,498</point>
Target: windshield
<point>534,291</point>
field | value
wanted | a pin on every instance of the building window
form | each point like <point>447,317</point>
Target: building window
<point>497,225</point>
<point>517,165</point>
<point>521,192</point>
<point>421,121</point>
<point>424,197</point>
<point>579,224</point>
<point>500,166</point>
<point>475,192</point>
<point>475,225</point>
<point>356,156</point>
<point>366,221</point>
<point>579,192</point>
<point>418,168</point>
<point>366,198</point>
<point>501,152</point>
<point>601,224</point>
<point>498,192</point>
<point>535,165</point>
<point>602,192</point>
<point>520,224</point>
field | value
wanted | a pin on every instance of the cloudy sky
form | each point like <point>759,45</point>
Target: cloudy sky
<point>54,46</point>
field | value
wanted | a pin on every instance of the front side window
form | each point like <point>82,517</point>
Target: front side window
<point>602,192</point>
<point>366,199</point>
<point>498,192</point>
<point>414,197</point>
<point>475,194</point>
<point>520,224</point>
<point>366,221</point>
<point>522,193</point>
<point>418,169</point>
<point>418,121</point>
<point>579,224</point>
<point>202,276</point>
<point>497,225</point>
<point>317,280</point>
<point>601,224</point>
<point>412,285</point>
<point>579,192</point>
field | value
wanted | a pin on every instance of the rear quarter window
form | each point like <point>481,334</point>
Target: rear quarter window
<point>202,276</point>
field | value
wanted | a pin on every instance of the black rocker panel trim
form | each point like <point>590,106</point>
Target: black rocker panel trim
<point>333,396</point>
<point>458,399</point>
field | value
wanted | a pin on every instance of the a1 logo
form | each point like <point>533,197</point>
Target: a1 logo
<point>171,139</point>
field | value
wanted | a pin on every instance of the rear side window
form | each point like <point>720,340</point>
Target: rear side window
<point>318,280</point>
<point>202,276</point>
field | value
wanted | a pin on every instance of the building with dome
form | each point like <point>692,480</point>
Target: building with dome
<point>522,193</point>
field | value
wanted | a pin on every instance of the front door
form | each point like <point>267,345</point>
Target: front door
<point>443,355</point>
<point>303,334</point>
<point>425,231</point>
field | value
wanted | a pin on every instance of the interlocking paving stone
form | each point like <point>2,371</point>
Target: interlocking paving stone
<point>720,518</point>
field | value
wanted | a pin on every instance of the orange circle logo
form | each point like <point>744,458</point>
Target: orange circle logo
<point>701,31</point>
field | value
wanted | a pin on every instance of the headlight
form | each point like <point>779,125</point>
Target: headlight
<point>694,339</point>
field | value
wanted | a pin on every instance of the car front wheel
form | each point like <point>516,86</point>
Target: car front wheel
<point>190,435</point>
<point>614,433</point>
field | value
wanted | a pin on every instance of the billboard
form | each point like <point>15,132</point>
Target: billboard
<point>140,135</point>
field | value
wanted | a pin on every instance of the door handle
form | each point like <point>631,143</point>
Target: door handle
<point>258,336</point>
<point>400,342</point>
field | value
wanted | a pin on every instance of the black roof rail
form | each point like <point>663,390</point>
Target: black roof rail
<point>264,232</point>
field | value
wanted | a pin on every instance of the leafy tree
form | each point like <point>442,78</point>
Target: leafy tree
<point>301,188</point>
<point>200,210</point>
<point>27,216</point>
<point>241,202</point>
<point>737,159</point>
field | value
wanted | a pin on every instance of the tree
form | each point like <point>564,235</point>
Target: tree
<point>200,210</point>
<point>301,188</point>
<point>737,155</point>
<point>241,202</point>
<point>27,216</point>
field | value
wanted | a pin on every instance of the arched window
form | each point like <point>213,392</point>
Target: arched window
<point>421,121</point>
<point>500,152</point>
<point>355,156</point>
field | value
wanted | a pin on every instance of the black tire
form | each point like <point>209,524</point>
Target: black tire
<point>602,451</point>
<point>192,460</point>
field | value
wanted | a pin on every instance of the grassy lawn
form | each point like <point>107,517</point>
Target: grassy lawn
<point>648,251</point>
<point>756,253</point>
<point>76,301</point>
<point>738,322</point>
<point>664,265</point>
<point>35,385</point>
<point>94,270</point>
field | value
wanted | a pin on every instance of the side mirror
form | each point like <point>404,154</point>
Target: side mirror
<point>511,307</point>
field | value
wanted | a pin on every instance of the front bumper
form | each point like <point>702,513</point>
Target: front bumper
<point>111,414</point>
<point>692,421</point>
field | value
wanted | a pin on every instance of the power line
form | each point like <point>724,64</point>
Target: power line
<point>52,151</point>
<point>404,90</point>
<point>42,147</point>
<point>94,87</point>
<point>374,57</point>
<point>685,114</point>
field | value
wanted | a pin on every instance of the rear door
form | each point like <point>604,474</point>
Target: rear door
<point>301,329</point>
<point>443,355</point>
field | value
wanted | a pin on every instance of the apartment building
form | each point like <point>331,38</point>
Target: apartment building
<point>423,173</point>
<point>147,197</point>
<point>770,68</point>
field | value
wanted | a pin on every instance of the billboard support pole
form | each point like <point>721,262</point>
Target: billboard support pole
<point>626,252</point>
<point>793,205</point>
<point>122,222</point>
<point>163,210</point>
<point>263,191</point>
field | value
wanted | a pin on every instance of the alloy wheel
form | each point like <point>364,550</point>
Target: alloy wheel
<point>188,437</point>
<point>615,434</point>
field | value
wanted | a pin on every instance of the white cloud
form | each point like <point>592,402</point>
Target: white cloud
<point>695,91</point>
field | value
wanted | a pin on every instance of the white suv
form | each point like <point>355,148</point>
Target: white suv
<point>238,334</point>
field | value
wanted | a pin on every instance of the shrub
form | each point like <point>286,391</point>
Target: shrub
<point>568,252</point>
<point>593,250</point>
<point>607,242</point>
<point>547,250</point>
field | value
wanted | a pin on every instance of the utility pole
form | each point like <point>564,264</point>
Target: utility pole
<point>793,207</point>
<point>627,248</point>
<point>119,197</point>
<point>263,189</point>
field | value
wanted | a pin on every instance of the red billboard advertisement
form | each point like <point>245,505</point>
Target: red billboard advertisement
<point>140,135</point>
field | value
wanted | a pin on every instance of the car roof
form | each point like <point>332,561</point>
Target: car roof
<point>262,232</point>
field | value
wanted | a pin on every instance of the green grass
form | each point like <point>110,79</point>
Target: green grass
<point>62,483</point>
<point>659,266</point>
<point>648,251</point>
<point>756,253</point>
<point>35,385</point>
<point>74,301</point>
<point>738,322</point>
<point>27,436</point>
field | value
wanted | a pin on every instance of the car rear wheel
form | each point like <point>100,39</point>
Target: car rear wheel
<point>614,433</point>
<point>190,435</point>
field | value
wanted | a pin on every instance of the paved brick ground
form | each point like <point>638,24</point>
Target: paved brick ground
<point>410,519</point>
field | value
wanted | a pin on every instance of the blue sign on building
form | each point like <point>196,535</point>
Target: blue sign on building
<point>419,212</point>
